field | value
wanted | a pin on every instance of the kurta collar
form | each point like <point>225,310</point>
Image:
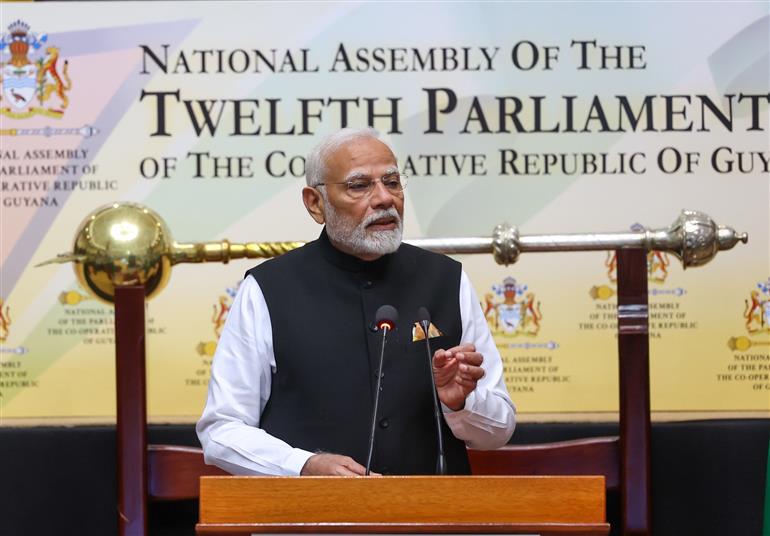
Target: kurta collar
<point>349,262</point>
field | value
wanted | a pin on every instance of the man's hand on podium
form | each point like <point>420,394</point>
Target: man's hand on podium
<point>325,464</point>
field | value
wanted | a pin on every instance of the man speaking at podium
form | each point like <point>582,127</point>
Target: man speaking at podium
<point>295,372</point>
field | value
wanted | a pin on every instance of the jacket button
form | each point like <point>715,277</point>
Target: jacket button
<point>368,284</point>
<point>384,423</point>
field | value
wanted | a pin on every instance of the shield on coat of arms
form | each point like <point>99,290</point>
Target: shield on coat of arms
<point>19,85</point>
<point>510,317</point>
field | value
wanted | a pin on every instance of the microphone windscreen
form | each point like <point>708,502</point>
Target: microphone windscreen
<point>386,315</point>
<point>423,315</point>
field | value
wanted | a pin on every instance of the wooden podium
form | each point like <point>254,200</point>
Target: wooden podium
<point>533,505</point>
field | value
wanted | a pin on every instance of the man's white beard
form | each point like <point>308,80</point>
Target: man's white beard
<point>357,239</point>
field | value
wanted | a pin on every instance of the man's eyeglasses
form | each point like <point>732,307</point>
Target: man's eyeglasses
<point>395,183</point>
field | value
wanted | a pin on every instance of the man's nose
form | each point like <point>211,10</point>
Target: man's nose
<point>380,197</point>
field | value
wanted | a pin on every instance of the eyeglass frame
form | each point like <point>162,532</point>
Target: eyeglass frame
<point>403,179</point>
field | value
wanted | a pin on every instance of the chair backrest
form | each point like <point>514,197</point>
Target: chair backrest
<point>173,472</point>
<point>592,456</point>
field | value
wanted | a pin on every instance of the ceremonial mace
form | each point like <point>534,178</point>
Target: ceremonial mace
<point>127,244</point>
<point>123,253</point>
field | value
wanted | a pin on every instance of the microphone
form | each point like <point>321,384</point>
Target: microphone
<point>423,317</point>
<point>385,319</point>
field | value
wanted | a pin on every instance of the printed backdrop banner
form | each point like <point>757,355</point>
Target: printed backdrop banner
<point>563,117</point>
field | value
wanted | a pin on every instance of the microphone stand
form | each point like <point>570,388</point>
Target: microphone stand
<point>376,401</point>
<point>441,468</point>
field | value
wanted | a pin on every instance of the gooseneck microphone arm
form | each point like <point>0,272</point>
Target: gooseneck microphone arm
<point>385,319</point>
<point>423,317</point>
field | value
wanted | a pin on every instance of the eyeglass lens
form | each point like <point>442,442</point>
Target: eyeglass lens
<point>394,183</point>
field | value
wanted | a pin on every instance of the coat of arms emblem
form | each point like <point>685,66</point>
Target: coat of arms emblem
<point>218,317</point>
<point>757,310</point>
<point>33,82</point>
<point>515,312</point>
<point>5,321</point>
<point>756,317</point>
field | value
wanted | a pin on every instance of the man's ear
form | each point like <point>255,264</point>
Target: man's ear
<point>314,203</point>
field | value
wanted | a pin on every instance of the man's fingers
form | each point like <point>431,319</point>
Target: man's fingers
<point>332,464</point>
<point>439,358</point>
<point>471,358</point>
<point>465,347</point>
<point>444,355</point>
<point>473,373</point>
<point>466,383</point>
<point>444,368</point>
<point>354,467</point>
<point>341,470</point>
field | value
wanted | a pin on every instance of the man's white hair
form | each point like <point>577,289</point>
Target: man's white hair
<point>315,164</point>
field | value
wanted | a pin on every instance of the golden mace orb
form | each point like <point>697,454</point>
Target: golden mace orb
<point>124,244</point>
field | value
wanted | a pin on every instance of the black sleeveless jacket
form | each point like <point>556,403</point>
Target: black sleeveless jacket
<point>322,304</point>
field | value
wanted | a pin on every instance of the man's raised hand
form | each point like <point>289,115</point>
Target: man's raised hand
<point>457,371</point>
